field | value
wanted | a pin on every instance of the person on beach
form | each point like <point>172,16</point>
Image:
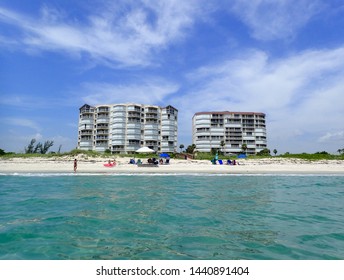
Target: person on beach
<point>75,165</point>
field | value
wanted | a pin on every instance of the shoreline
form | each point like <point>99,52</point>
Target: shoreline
<point>177,166</point>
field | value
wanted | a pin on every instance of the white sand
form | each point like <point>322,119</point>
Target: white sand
<point>246,166</point>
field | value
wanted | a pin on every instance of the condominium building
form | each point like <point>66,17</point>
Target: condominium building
<point>228,131</point>
<point>124,128</point>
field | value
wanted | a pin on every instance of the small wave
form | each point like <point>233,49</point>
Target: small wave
<point>201,174</point>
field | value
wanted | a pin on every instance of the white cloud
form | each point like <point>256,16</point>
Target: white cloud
<point>21,122</point>
<point>271,19</point>
<point>146,91</point>
<point>109,35</point>
<point>302,95</point>
<point>337,136</point>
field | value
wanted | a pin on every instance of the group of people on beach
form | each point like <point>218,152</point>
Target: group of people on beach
<point>109,164</point>
<point>232,162</point>
<point>150,161</point>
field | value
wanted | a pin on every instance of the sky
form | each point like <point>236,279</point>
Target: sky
<point>284,58</point>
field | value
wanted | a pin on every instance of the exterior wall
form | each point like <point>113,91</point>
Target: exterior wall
<point>124,128</point>
<point>209,129</point>
<point>86,127</point>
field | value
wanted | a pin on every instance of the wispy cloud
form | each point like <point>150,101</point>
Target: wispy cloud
<point>126,34</point>
<point>337,136</point>
<point>302,95</point>
<point>21,122</point>
<point>270,19</point>
<point>144,90</point>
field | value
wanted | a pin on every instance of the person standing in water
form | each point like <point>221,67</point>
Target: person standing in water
<point>75,165</point>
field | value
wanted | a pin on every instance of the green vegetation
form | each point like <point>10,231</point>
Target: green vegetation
<point>39,148</point>
<point>316,156</point>
<point>190,150</point>
<point>243,148</point>
<point>264,152</point>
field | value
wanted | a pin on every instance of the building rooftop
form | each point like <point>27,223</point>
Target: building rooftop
<point>228,113</point>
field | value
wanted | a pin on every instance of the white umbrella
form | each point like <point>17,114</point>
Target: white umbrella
<point>145,150</point>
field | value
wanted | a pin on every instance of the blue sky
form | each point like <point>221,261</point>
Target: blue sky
<point>281,57</point>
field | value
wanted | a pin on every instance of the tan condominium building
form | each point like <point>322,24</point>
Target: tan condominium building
<point>124,128</point>
<point>229,131</point>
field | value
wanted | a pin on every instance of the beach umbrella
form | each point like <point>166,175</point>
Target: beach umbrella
<point>145,150</point>
<point>164,155</point>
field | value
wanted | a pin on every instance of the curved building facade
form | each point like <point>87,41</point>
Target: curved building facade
<point>233,129</point>
<point>124,128</point>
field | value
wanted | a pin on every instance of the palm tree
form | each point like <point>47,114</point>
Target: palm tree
<point>181,147</point>
<point>275,151</point>
<point>222,144</point>
<point>244,148</point>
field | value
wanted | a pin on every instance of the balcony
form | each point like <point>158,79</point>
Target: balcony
<point>86,132</point>
<point>119,115</point>
<point>134,109</point>
<point>102,131</point>
<point>84,143</point>
<point>86,121</point>
<point>85,111</point>
<point>151,126</point>
<point>202,123</point>
<point>152,110</point>
<point>102,126</point>
<point>131,148</point>
<point>134,125</point>
<point>102,138</point>
<point>103,110</point>
<point>117,136</point>
<point>119,108</point>
<point>133,135</point>
<point>103,120</point>
<point>233,125</point>
<point>134,114</point>
<point>151,137</point>
<point>118,125</point>
<point>202,117</point>
<point>101,143</point>
<point>202,142</point>
<point>168,123</point>
<point>118,142</point>
<point>117,149</point>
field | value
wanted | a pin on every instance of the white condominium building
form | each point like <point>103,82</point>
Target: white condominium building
<point>231,129</point>
<point>124,128</point>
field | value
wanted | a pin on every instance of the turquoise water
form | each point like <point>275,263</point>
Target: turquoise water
<point>171,217</point>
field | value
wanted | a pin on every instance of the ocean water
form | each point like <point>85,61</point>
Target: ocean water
<point>179,217</point>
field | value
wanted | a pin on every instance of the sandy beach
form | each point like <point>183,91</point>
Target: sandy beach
<point>96,165</point>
